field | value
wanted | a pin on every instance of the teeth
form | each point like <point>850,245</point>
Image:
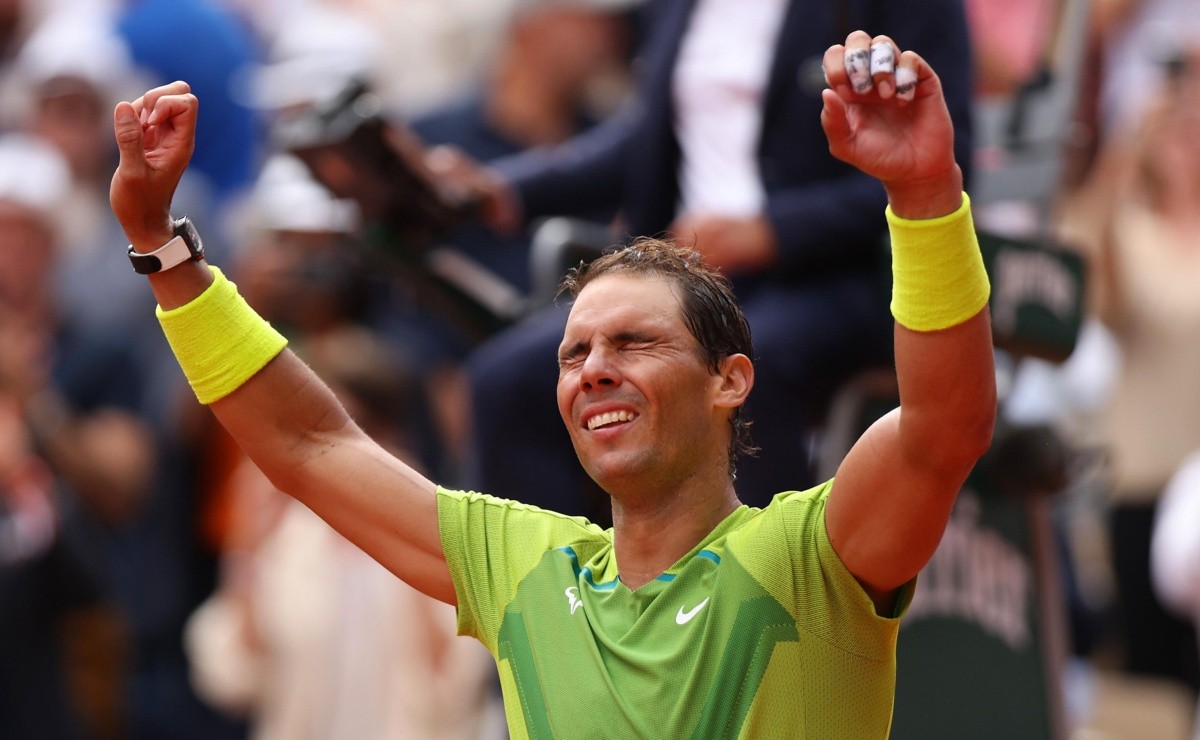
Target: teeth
<point>610,417</point>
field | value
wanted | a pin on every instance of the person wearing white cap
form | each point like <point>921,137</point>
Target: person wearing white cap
<point>34,180</point>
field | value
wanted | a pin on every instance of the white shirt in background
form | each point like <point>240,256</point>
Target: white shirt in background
<point>718,89</point>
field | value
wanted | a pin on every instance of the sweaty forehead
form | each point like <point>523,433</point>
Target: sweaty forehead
<point>625,299</point>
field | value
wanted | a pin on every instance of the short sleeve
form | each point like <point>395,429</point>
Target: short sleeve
<point>490,545</point>
<point>789,551</point>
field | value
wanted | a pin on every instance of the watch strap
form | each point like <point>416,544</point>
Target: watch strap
<point>185,245</point>
<point>175,252</point>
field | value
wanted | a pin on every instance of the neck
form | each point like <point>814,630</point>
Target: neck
<point>651,535</point>
<point>528,111</point>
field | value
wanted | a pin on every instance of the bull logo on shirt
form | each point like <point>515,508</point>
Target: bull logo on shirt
<point>573,599</point>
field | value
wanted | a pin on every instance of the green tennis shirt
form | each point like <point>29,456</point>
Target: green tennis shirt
<point>758,632</point>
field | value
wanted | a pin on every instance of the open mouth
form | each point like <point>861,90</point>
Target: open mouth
<point>610,419</point>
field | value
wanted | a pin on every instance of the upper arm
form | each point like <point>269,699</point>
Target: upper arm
<point>379,503</point>
<point>292,427</point>
<point>893,493</point>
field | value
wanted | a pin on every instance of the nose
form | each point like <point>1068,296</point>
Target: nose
<point>599,370</point>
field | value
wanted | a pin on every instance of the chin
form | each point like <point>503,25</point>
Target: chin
<point>615,470</point>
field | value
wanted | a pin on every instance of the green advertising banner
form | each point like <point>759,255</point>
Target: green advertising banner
<point>977,649</point>
<point>1037,295</point>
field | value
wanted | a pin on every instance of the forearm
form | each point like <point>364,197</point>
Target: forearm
<point>295,430</point>
<point>947,394</point>
<point>943,334</point>
<point>276,408</point>
<point>894,492</point>
<point>284,417</point>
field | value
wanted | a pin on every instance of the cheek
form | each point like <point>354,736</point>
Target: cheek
<point>565,396</point>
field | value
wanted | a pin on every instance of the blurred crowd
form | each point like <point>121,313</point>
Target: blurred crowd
<point>397,185</point>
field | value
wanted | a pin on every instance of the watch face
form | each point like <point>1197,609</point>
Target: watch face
<point>186,229</point>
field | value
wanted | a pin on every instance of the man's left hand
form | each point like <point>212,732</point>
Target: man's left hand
<point>885,114</point>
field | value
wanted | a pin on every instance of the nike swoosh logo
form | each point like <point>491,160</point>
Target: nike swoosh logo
<point>684,617</point>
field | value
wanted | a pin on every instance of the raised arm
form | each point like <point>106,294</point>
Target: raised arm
<point>894,492</point>
<point>278,410</point>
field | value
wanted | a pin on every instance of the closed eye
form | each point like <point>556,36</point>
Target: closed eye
<point>633,340</point>
<point>572,354</point>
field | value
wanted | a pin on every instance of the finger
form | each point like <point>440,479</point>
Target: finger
<point>145,104</point>
<point>129,137</point>
<point>883,64</point>
<point>857,60</point>
<point>835,122</point>
<point>909,73</point>
<point>180,110</point>
<point>835,70</point>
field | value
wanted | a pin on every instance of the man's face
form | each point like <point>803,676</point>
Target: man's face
<point>634,389</point>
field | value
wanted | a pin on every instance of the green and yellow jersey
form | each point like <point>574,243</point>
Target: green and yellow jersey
<point>758,632</point>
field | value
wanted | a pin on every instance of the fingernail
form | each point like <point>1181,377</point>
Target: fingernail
<point>858,69</point>
<point>125,115</point>
<point>906,83</point>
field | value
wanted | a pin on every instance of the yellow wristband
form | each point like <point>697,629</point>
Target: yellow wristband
<point>219,341</point>
<point>938,278</point>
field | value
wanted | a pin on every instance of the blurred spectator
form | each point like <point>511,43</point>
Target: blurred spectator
<point>49,573</point>
<point>1175,547</point>
<point>557,72</point>
<point>420,54</point>
<point>60,375</point>
<point>723,147</point>
<point>309,635</point>
<point>70,73</point>
<point>1138,216</point>
<point>1137,37</point>
<point>49,592</point>
<point>80,392</point>
<point>1009,41</point>
<point>539,93</point>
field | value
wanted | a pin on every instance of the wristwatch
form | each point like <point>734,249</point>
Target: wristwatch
<point>184,246</point>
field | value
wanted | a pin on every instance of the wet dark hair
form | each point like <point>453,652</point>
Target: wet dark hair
<point>710,309</point>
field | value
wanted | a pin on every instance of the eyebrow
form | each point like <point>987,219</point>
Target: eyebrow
<point>572,351</point>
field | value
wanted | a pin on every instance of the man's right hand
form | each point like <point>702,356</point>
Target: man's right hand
<point>156,135</point>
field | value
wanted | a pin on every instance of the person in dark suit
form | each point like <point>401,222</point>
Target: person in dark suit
<point>723,147</point>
